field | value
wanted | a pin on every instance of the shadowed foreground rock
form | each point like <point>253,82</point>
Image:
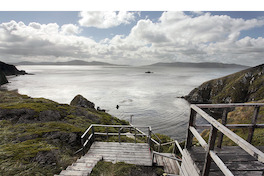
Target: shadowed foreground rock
<point>3,79</point>
<point>80,101</point>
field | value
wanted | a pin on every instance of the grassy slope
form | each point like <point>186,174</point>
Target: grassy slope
<point>23,143</point>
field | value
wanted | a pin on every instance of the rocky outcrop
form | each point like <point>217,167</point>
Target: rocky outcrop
<point>24,115</point>
<point>8,69</point>
<point>3,79</point>
<point>80,101</point>
<point>246,85</point>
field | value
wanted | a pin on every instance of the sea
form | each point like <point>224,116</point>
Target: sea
<point>151,99</point>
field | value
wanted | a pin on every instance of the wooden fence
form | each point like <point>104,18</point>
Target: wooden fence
<point>223,128</point>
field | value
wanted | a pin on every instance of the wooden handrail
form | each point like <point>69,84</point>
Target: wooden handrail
<point>199,138</point>
<point>229,105</point>
<point>220,163</point>
<point>174,158</point>
<point>232,126</point>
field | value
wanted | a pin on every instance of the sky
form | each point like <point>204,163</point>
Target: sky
<point>133,37</point>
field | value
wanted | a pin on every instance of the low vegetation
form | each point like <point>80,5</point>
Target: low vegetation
<point>39,136</point>
<point>122,169</point>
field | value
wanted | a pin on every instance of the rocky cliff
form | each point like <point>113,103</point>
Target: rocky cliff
<point>3,79</point>
<point>246,85</point>
<point>7,70</point>
<point>10,69</point>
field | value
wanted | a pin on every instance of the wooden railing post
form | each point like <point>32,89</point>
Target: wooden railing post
<point>221,135</point>
<point>93,134</point>
<point>211,143</point>
<point>106,133</point>
<point>254,121</point>
<point>188,144</point>
<point>149,137</point>
<point>135,135</point>
<point>174,148</point>
<point>83,148</point>
<point>119,131</point>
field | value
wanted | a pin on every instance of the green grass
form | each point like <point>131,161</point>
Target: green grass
<point>122,169</point>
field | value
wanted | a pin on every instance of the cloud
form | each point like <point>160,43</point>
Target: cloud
<point>43,40</point>
<point>101,19</point>
<point>182,37</point>
<point>70,29</point>
<point>176,36</point>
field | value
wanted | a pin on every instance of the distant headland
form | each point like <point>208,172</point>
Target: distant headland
<point>200,65</point>
<point>72,62</point>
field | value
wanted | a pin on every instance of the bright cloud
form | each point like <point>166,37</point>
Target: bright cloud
<point>101,19</point>
<point>174,37</point>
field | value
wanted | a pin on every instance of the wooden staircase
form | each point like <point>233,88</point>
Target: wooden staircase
<point>169,165</point>
<point>83,166</point>
<point>130,153</point>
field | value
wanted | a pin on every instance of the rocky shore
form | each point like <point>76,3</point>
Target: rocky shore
<point>244,86</point>
<point>8,70</point>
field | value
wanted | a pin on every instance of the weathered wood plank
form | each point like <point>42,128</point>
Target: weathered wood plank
<point>254,121</point>
<point>208,159</point>
<point>237,166</point>
<point>230,126</point>
<point>191,167</point>
<point>220,164</point>
<point>123,152</point>
<point>189,139</point>
<point>199,137</point>
<point>224,122</point>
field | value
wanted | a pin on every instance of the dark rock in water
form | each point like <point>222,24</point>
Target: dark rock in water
<point>101,110</point>
<point>246,85</point>
<point>3,79</point>
<point>80,101</point>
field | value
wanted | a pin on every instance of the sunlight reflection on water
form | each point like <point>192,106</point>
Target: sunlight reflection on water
<point>151,98</point>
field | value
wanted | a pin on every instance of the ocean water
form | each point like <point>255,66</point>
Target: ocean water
<point>150,98</point>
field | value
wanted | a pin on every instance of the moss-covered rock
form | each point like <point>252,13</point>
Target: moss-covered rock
<point>80,101</point>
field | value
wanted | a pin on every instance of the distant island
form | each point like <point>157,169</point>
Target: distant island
<point>200,65</point>
<point>73,62</point>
